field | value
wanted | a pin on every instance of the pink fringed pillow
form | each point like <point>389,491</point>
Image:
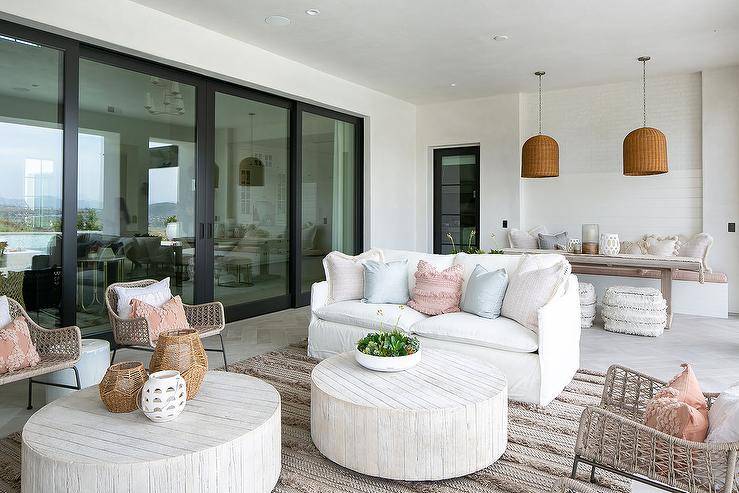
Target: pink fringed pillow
<point>16,347</point>
<point>437,292</point>
<point>680,409</point>
<point>170,316</point>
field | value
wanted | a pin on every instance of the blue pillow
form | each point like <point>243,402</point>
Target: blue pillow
<point>386,282</point>
<point>485,291</point>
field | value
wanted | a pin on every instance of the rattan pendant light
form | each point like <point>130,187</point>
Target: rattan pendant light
<point>540,154</point>
<point>645,149</point>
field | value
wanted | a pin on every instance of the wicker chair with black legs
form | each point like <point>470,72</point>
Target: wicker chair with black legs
<point>612,437</point>
<point>208,319</point>
<point>58,349</point>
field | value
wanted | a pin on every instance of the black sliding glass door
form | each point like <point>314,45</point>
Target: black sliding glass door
<point>117,168</point>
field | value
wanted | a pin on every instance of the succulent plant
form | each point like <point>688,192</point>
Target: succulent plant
<point>388,344</point>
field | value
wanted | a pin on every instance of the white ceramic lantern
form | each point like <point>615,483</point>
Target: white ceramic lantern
<point>163,396</point>
<point>574,245</point>
<point>609,244</point>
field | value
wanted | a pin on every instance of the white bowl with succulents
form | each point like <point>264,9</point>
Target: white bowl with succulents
<point>388,351</point>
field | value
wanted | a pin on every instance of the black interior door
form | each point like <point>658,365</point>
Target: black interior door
<point>456,198</point>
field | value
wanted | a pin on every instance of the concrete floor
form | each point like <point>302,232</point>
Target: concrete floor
<point>711,345</point>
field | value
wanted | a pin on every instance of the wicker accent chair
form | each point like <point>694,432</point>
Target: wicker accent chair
<point>58,349</point>
<point>208,319</point>
<point>612,437</point>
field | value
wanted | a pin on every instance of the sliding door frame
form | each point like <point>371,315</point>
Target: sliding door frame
<point>301,298</point>
<point>268,305</point>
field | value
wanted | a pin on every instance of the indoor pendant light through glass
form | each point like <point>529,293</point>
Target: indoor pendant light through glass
<point>645,149</point>
<point>540,153</point>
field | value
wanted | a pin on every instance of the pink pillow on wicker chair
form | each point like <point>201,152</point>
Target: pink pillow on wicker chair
<point>170,316</point>
<point>437,292</point>
<point>16,347</point>
<point>680,409</point>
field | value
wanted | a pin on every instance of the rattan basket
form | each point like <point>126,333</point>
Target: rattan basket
<point>182,350</point>
<point>119,389</point>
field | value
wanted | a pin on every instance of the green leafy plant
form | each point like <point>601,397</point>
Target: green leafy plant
<point>388,344</point>
<point>170,219</point>
<point>471,249</point>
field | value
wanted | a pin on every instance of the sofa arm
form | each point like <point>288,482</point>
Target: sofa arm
<point>559,340</point>
<point>318,295</point>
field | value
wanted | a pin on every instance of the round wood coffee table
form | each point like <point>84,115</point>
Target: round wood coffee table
<point>444,418</point>
<point>227,440</point>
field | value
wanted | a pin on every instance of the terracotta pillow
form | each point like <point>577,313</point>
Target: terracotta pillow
<point>17,350</point>
<point>680,409</point>
<point>170,316</point>
<point>437,292</point>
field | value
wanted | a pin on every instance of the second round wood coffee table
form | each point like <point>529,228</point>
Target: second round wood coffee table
<point>444,418</point>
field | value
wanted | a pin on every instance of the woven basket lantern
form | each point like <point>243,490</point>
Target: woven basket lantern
<point>182,350</point>
<point>645,152</point>
<point>540,157</point>
<point>119,388</point>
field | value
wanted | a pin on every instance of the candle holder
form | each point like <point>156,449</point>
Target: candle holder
<point>590,238</point>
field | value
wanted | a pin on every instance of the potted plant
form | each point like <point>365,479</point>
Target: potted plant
<point>388,351</point>
<point>173,227</point>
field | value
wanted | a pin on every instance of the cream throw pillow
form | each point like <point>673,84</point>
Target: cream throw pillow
<point>526,240</point>
<point>662,246</point>
<point>530,288</point>
<point>698,247</point>
<point>345,274</point>
<point>155,294</point>
<point>632,248</point>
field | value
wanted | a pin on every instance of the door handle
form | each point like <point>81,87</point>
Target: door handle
<point>210,230</point>
<point>202,230</point>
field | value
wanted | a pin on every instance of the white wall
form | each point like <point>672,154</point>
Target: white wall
<point>590,123</point>
<point>493,124</point>
<point>721,171</point>
<point>390,163</point>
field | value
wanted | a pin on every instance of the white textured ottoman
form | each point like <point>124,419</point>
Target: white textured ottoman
<point>587,304</point>
<point>638,311</point>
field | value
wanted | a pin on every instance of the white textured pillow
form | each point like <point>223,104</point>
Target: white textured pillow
<point>345,274</point>
<point>4,311</point>
<point>698,246</point>
<point>530,288</point>
<point>723,424</point>
<point>662,246</point>
<point>156,294</point>
<point>526,240</point>
<point>633,248</point>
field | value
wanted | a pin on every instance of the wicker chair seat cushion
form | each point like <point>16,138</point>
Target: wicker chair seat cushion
<point>170,316</point>
<point>47,364</point>
<point>17,350</point>
<point>155,294</point>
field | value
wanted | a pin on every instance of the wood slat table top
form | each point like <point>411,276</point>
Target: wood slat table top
<point>441,380</point>
<point>79,428</point>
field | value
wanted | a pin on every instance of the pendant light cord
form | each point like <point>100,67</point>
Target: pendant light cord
<point>644,92</point>
<point>539,104</point>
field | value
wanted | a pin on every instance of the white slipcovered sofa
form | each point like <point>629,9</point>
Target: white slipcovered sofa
<point>537,365</point>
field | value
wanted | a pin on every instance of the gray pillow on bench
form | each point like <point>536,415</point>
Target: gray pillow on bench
<point>550,242</point>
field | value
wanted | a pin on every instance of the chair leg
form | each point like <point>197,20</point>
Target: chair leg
<point>77,377</point>
<point>30,394</point>
<point>574,467</point>
<point>592,474</point>
<point>115,349</point>
<point>223,348</point>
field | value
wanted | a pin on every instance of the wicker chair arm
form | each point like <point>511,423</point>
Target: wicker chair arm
<point>63,341</point>
<point>619,442</point>
<point>130,331</point>
<point>206,315</point>
<point>627,391</point>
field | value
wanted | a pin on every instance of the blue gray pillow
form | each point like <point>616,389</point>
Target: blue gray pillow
<point>386,282</point>
<point>485,292</point>
<point>550,242</point>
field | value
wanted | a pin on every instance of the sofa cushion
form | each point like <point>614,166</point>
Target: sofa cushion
<point>437,292</point>
<point>370,316</point>
<point>485,291</point>
<point>441,262</point>
<point>386,282</point>
<point>345,274</point>
<point>498,333</point>
<point>491,262</point>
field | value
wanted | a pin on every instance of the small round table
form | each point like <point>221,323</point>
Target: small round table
<point>444,418</point>
<point>227,440</point>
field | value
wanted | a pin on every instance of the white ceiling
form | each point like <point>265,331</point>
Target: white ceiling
<point>414,49</point>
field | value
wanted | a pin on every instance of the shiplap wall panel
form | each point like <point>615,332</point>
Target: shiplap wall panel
<point>590,123</point>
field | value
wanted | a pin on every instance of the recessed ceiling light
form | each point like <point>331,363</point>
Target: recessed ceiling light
<point>453,84</point>
<point>500,37</point>
<point>312,11</point>
<point>277,20</point>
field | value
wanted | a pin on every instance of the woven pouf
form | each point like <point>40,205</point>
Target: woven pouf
<point>587,304</point>
<point>638,311</point>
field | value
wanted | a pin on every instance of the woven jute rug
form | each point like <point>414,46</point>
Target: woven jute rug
<point>540,440</point>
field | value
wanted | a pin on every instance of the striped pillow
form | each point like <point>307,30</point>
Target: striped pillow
<point>437,292</point>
